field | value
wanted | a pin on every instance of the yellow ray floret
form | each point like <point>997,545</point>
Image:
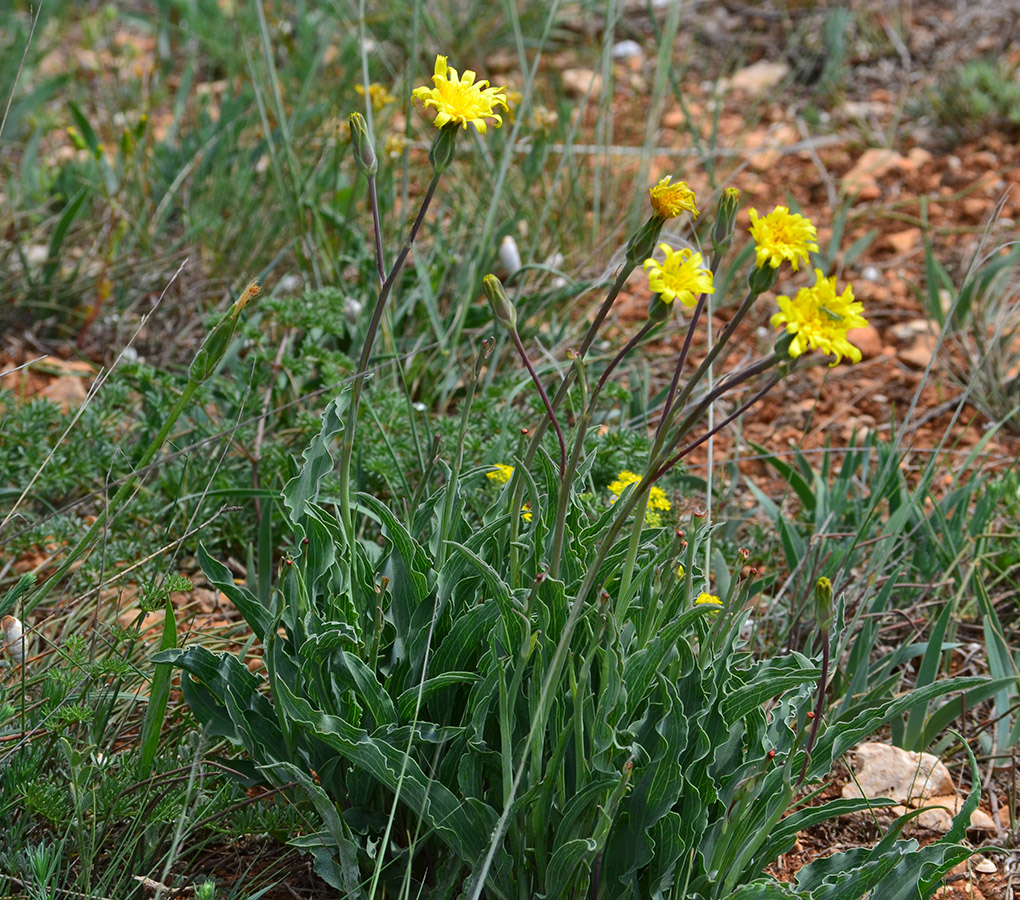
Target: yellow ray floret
<point>378,95</point>
<point>680,276</point>
<point>658,503</point>
<point>782,235</point>
<point>709,600</point>
<point>500,473</point>
<point>461,99</point>
<point>819,319</point>
<point>669,200</point>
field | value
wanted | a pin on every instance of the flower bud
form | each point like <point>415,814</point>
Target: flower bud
<point>823,603</point>
<point>444,148</point>
<point>502,309</point>
<point>725,221</point>
<point>364,152</point>
<point>215,345</point>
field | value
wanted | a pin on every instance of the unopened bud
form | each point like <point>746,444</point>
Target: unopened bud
<point>361,141</point>
<point>215,345</point>
<point>725,221</point>
<point>823,603</point>
<point>502,309</point>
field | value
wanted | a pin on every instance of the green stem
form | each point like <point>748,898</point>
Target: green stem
<point>699,373</point>
<point>545,399</point>
<point>373,202</point>
<point>347,447</point>
<point>563,499</point>
<point>623,600</point>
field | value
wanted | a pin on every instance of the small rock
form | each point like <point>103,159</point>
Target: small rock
<point>984,865</point>
<point>918,355</point>
<point>885,771</point>
<point>582,82</point>
<point>872,165</point>
<point>628,50</point>
<point>904,241</point>
<point>759,77</point>
<point>867,340</point>
<point>904,332</point>
<point>870,273</point>
<point>68,392</point>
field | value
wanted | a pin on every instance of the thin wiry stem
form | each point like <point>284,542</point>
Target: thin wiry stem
<point>545,399</point>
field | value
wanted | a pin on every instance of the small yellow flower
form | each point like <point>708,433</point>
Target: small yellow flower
<point>459,99</point>
<point>669,200</point>
<point>819,319</point>
<point>782,235</point>
<point>500,473</point>
<point>544,119</point>
<point>513,100</point>
<point>395,145</point>
<point>680,276</point>
<point>526,512</point>
<point>657,500</point>
<point>680,571</point>
<point>711,600</point>
<point>378,94</point>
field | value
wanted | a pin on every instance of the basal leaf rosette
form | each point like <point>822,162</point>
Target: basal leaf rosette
<point>818,319</point>
<point>680,276</point>
<point>461,99</point>
<point>782,236</point>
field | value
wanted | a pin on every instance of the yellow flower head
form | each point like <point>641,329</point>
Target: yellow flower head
<point>378,94</point>
<point>782,235</point>
<point>819,319</point>
<point>500,473</point>
<point>395,145</point>
<point>526,512</point>
<point>711,600</point>
<point>669,200</point>
<point>680,276</point>
<point>460,99</point>
<point>658,503</point>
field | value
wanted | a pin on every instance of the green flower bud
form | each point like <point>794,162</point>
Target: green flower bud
<point>725,221</point>
<point>444,148</point>
<point>763,279</point>
<point>642,242</point>
<point>823,603</point>
<point>364,152</point>
<point>502,309</point>
<point>213,348</point>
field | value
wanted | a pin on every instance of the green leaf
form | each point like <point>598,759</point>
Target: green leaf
<point>568,870</point>
<point>767,679</point>
<point>259,619</point>
<point>159,694</point>
<point>303,488</point>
